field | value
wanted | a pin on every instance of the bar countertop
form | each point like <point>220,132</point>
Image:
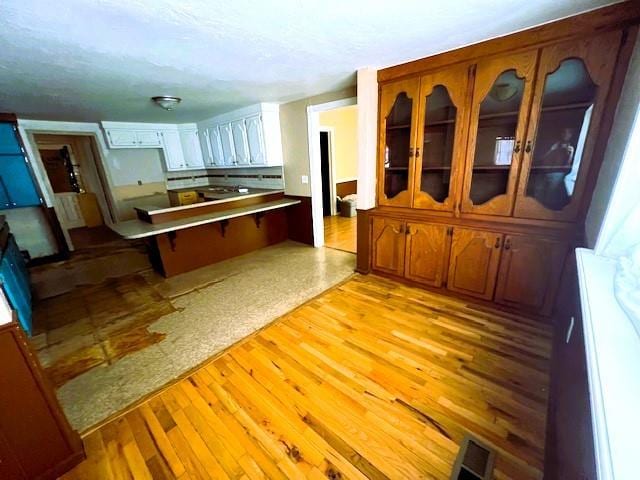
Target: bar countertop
<point>218,199</point>
<point>134,229</point>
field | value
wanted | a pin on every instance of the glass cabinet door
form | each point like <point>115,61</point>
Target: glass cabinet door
<point>572,85</point>
<point>440,145</point>
<point>501,98</point>
<point>398,124</point>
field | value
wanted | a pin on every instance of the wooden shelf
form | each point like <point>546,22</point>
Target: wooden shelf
<point>396,169</point>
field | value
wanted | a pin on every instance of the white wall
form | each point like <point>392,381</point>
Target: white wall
<point>367,137</point>
<point>344,124</point>
<point>295,143</point>
<point>31,229</point>
<point>129,165</point>
<point>614,154</point>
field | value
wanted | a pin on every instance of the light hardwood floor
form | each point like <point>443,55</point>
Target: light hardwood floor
<point>340,233</point>
<point>372,379</point>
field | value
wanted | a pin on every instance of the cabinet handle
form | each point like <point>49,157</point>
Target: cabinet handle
<point>527,149</point>
<point>497,245</point>
<point>410,152</point>
<point>517,147</point>
<point>507,244</point>
<point>417,152</point>
<point>408,231</point>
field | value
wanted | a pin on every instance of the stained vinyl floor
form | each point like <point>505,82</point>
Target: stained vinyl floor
<point>372,379</point>
<point>105,345</point>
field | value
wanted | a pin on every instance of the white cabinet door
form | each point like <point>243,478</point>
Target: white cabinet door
<point>226,140</point>
<point>191,149</point>
<point>172,149</point>
<point>215,143</point>
<point>148,138</point>
<point>240,142</point>
<point>203,137</point>
<point>122,138</point>
<point>255,139</point>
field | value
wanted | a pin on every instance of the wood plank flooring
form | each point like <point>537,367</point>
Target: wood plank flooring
<point>340,233</point>
<point>373,379</point>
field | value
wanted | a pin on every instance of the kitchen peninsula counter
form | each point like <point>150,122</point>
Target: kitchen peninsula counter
<point>180,239</point>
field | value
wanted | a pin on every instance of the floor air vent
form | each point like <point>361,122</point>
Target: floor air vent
<point>474,462</point>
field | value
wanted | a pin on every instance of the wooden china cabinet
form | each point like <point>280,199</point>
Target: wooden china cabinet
<point>487,158</point>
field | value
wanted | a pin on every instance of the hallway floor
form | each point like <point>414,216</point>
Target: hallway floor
<point>340,233</point>
<point>105,345</point>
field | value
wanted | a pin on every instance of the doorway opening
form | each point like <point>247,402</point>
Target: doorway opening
<point>333,151</point>
<point>78,186</point>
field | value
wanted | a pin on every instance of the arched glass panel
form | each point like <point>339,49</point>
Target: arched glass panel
<point>495,140</point>
<point>567,105</point>
<point>397,145</point>
<point>437,147</point>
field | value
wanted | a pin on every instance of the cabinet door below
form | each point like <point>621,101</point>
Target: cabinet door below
<point>473,263</point>
<point>388,242</point>
<point>426,253</point>
<point>529,272</point>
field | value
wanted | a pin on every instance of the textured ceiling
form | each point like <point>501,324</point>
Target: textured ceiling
<point>92,60</point>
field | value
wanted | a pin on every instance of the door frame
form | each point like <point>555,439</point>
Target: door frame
<point>99,149</point>
<point>315,180</point>
<point>330,131</point>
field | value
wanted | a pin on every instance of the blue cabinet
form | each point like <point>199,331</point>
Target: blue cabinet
<point>14,278</point>
<point>17,186</point>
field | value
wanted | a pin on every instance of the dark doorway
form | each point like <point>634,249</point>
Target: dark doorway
<point>325,167</point>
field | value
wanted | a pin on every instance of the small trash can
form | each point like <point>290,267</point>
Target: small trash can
<point>348,206</point>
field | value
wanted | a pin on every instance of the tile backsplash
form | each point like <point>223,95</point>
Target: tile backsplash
<point>267,177</point>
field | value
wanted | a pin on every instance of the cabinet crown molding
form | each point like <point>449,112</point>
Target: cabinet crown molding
<point>241,113</point>
<point>144,126</point>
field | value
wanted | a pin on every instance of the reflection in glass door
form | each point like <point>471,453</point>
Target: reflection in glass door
<point>500,105</point>
<point>567,105</point>
<point>397,142</point>
<point>572,84</point>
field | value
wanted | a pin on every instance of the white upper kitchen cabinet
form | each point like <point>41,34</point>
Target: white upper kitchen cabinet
<point>240,143</point>
<point>205,147</point>
<point>172,149</point>
<point>132,135</point>
<point>190,140</point>
<point>122,138</point>
<point>148,138</point>
<point>249,137</point>
<point>215,144</point>
<point>255,139</point>
<point>228,149</point>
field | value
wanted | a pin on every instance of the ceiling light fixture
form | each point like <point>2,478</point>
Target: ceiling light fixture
<point>167,102</point>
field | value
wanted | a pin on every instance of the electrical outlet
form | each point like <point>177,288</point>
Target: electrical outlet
<point>305,179</point>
